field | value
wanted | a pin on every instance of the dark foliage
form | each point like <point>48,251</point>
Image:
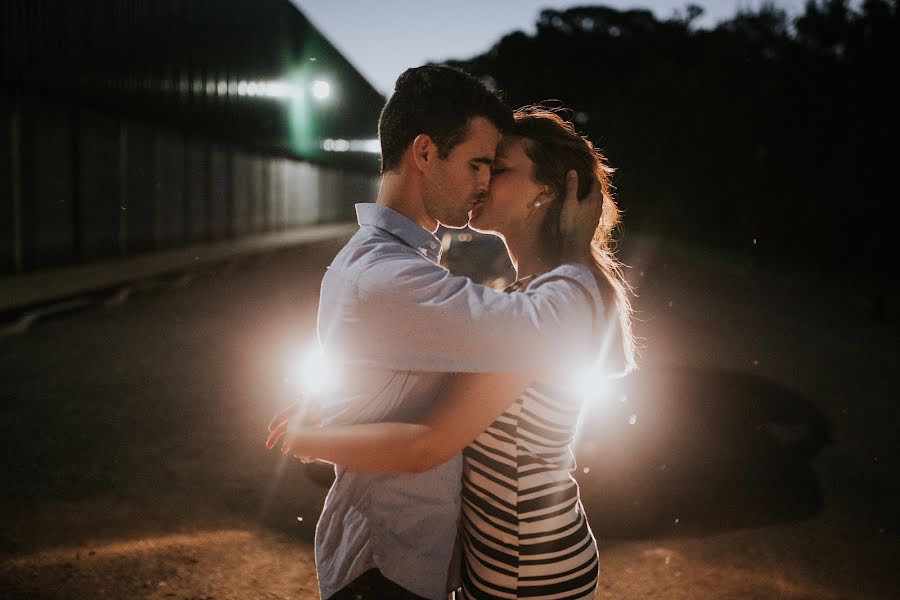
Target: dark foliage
<point>771,137</point>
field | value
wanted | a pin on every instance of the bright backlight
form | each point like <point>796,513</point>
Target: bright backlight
<point>588,381</point>
<point>312,372</point>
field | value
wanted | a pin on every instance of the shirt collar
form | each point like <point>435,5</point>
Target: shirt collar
<point>400,226</point>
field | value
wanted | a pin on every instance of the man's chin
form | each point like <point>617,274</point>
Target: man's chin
<point>474,225</point>
<point>477,227</point>
<point>476,222</point>
<point>456,221</point>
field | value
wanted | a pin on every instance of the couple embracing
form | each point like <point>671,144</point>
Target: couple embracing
<point>451,428</point>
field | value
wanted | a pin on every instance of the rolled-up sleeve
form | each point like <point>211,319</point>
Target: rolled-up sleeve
<point>412,314</point>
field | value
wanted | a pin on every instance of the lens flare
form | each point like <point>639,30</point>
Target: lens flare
<point>589,381</point>
<point>311,372</point>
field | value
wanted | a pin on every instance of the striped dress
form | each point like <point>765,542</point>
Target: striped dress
<point>524,531</point>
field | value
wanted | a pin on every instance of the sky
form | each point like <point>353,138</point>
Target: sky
<point>382,38</point>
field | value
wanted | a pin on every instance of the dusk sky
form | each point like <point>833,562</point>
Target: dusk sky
<point>382,38</point>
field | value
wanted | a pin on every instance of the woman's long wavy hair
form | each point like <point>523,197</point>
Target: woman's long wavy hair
<point>555,148</point>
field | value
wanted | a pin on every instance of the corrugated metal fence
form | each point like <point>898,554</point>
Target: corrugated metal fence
<point>77,186</point>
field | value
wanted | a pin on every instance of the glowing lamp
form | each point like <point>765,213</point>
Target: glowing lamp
<point>321,89</point>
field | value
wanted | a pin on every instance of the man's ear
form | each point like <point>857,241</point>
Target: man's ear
<point>424,151</point>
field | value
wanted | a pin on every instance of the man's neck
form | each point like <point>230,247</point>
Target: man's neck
<point>399,194</point>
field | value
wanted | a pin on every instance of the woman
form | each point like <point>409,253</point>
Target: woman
<point>523,531</point>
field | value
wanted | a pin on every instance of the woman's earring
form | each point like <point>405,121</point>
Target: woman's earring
<point>537,203</point>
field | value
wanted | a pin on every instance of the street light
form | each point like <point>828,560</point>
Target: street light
<point>321,89</point>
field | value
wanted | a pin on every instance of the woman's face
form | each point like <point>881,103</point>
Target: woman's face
<point>510,201</point>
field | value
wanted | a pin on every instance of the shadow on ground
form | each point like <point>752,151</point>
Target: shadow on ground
<point>687,451</point>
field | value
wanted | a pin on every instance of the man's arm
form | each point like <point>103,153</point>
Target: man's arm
<point>465,407</point>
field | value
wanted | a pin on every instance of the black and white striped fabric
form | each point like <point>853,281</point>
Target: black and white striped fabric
<point>524,532</point>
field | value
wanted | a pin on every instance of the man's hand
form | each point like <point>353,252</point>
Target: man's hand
<point>579,220</point>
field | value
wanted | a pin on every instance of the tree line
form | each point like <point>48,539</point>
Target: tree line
<point>771,136</point>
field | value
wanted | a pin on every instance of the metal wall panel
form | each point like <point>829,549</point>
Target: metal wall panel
<point>329,194</point>
<point>170,189</point>
<point>98,204</point>
<point>277,206</point>
<point>305,195</point>
<point>95,187</point>
<point>140,184</point>
<point>256,194</point>
<point>50,201</point>
<point>241,176</point>
<point>219,192</point>
<point>197,196</point>
<point>7,217</point>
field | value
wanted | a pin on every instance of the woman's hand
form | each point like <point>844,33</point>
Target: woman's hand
<point>579,220</point>
<point>290,422</point>
<point>278,424</point>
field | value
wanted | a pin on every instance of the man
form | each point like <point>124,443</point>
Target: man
<point>399,323</point>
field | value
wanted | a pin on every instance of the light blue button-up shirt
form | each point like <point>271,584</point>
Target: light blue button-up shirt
<point>399,322</point>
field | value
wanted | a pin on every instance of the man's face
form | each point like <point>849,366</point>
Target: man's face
<point>506,210</point>
<point>461,180</point>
